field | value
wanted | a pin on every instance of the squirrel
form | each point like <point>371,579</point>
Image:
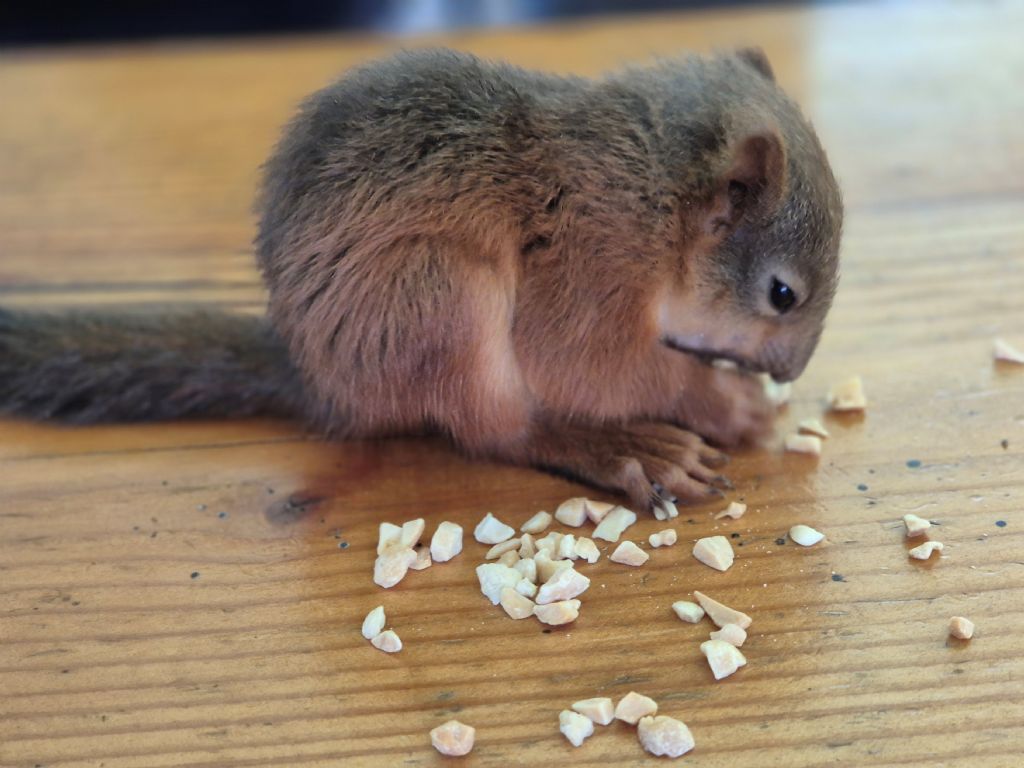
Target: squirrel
<point>543,268</point>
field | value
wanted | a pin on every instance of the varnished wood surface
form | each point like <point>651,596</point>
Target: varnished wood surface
<point>179,595</point>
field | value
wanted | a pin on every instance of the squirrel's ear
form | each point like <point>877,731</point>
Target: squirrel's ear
<point>752,185</point>
<point>756,58</point>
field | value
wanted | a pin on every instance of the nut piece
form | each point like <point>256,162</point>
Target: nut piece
<point>527,568</point>
<point>600,710</point>
<point>500,549</point>
<point>566,547</point>
<point>803,444</point>
<point>446,542</point>
<point>735,510</point>
<point>547,568</point>
<point>509,558</point>
<point>813,426</point>
<point>633,706</point>
<point>665,538</point>
<point>664,736</point>
<point>924,551</point>
<point>572,512</point>
<point>733,634</point>
<point>688,611</point>
<point>558,613</point>
<point>411,532</point>
<point>665,509</point>
<point>723,658</point>
<point>777,394</point>
<point>714,551</point>
<point>597,510</point>
<point>491,530</point>
<point>614,523</point>
<point>537,524</point>
<point>390,534</point>
<point>848,396</point>
<point>374,622</point>
<point>422,561</point>
<point>805,536</point>
<point>629,553</point>
<point>549,545</point>
<point>916,526</point>
<point>526,547</point>
<point>1008,354</point>
<point>586,549</point>
<point>722,614</point>
<point>959,627</point>
<point>453,738</point>
<point>391,567</point>
<point>527,589</point>
<point>574,726</point>
<point>494,577</point>
<point>387,641</point>
<point>564,585</point>
<point>516,605</point>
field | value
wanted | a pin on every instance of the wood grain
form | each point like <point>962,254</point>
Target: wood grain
<point>191,594</point>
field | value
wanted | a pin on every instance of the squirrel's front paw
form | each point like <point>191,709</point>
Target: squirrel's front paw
<point>733,410</point>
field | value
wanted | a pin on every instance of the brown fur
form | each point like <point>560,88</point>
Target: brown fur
<point>516,259</point>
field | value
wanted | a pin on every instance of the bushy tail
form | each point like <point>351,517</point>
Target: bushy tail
<point>85,368</point>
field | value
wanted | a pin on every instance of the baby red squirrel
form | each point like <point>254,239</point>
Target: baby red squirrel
<point>539,267</point>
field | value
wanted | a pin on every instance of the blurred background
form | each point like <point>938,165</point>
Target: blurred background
<point>53,21</point>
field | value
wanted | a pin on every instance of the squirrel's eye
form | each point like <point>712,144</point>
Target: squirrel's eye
<point>782,296</point>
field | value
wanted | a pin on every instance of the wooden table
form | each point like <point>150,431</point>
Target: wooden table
<point>191,594</point>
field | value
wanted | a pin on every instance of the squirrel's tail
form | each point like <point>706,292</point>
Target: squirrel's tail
<point>85,368</point>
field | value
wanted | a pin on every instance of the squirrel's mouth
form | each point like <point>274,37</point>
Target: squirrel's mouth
<point>710,355</point>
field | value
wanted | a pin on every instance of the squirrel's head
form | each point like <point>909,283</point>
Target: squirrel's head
<point>763,228</point>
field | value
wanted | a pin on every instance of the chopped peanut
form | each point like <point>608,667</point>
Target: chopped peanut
<point>596,510</point>
<point>714,551</point>
<point>446,542</point>
<point>537,524</point>
<point>558,613</point>
<point>735,510</point>
<point>453,738</point>
<point>571,512</point>
<point>491,530</point>
<point>391,567</point>
<point>961,628</point>
<point>422,561</point>
<point>916,526</point>
<point>848,396</point>
<point>387,641</point>
<point>629,553</point>
<point>614,523</point>
<point>517,606</point>
<point>805,536</point>
<point>527,548</point>
<point>924,551</point>
<point>1002,350</point>
<point>527,589</point>
<point>664,736</point>
<point>688,611</point>
<point>390,535</point>
<point>374,622</point>
<point>550,544</point>
<point>574,726</point>
<point>567,547</point>
<point>723,658</point>
<point>500,549</point>
<point>564,585</point>
<point>527,568</point>
<point>547,568</point>
<point>722,614</point>
<point>733,634</point>
<point>600,710</point>
<point>411,532</point>
<point>586,549</point>
<point>813,427</point>
<point>665,538</point>
<point>803,444</point>
<point>510,558</point>
<point>777,394</point>
<point>633,706</point>
<point>665,509</point>
<point>494,577</point>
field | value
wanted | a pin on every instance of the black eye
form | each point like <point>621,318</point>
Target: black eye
<point>782,296</point>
